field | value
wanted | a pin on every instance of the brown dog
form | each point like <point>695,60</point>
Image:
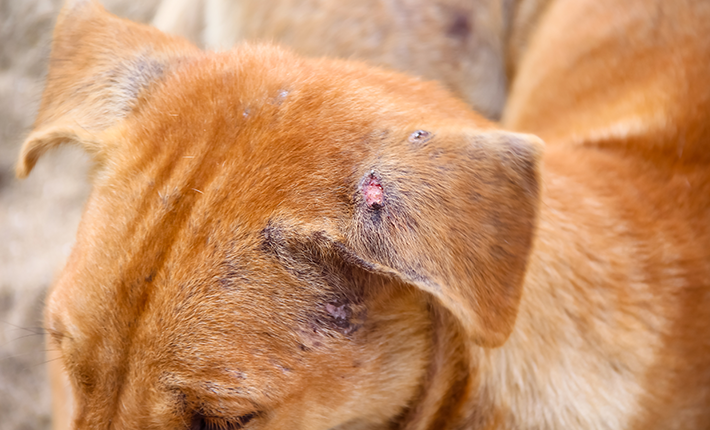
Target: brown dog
<point>473,47</point>
<point>460,43</point>
<point>273,242</point>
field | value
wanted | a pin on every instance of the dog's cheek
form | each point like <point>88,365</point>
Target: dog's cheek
<point>366,370</point>
<point>345,317</point>
<point>340,314</point>
<point>338,306</point>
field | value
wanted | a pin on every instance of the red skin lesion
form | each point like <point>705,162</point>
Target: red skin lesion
<point>373,193</point>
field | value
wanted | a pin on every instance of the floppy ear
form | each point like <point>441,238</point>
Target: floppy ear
<point>456,217</point>
<point>99,69</point>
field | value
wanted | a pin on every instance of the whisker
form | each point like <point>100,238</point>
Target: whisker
<point>23,337</point>
<point>21,354</point>
<point>34,330</point>
<point>48,361</point>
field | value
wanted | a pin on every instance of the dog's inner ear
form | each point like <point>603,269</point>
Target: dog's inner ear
<point>100,67</point>
<point>455,217</point>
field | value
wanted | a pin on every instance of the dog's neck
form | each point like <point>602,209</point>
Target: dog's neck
<point>592,322</point>
<point>582,284</point>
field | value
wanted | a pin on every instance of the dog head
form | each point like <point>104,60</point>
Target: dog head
<point>268,237</point>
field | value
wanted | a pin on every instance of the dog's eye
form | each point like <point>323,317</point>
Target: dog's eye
<point>201,422</point>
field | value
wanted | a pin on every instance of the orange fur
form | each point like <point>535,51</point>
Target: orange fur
<point>460,43</point>
<point>275,242</point>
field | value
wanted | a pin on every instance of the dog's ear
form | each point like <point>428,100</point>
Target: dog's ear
<point>456,217</point>
<point>99,69</point>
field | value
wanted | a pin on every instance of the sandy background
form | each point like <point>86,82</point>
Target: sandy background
<point>39,215</point>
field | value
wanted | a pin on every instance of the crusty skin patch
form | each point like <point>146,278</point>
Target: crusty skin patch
<point>372,192</point>
<point>283,243</point>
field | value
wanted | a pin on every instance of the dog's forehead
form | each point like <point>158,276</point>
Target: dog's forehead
<point>268,132</point>
<point>184,269</point>
<point>177,240</point>
<point>228,144</point>
<point>272,102</point>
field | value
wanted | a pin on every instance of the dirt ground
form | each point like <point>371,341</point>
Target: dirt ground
<point>39,215</point>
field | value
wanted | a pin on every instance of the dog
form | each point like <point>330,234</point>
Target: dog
<point>462,43</point>
<point>284,243</point>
